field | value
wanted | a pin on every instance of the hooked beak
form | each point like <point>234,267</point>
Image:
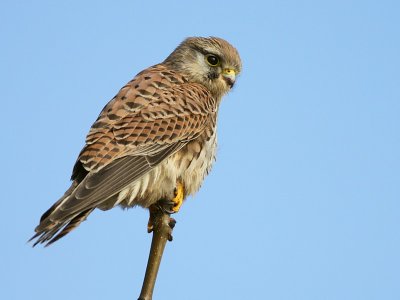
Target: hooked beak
<point>229,76</point>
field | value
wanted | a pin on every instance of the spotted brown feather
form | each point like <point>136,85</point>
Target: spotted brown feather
<point>157,107</point>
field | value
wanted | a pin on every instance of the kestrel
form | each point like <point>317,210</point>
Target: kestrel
<point>156,139</point>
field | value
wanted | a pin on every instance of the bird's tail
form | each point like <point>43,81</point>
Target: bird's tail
<point>48,231</point>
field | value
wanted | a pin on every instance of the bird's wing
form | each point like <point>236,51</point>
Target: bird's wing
<point>152,117</point>
<point>153,111</point>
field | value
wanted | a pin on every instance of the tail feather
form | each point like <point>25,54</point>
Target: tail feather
<point>71,225</point>
<point>46,234</point>
<point>51,232</point>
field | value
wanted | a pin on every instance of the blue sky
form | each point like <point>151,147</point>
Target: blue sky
<point>303,202</point>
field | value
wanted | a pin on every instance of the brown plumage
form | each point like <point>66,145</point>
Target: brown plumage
<point>158,130</point>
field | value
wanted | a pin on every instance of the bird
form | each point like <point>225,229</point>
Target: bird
<point>156,139</point>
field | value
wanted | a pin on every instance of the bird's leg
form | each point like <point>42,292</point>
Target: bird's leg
<point>179,195</point>
<point>171,206</point>
<point>167,206</point>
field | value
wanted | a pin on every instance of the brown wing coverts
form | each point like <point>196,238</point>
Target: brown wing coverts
<point>157,107</point>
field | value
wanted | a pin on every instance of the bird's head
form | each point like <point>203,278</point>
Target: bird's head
<point>212,62</point>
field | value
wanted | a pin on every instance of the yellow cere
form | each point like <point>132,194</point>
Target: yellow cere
<point>229,72</point>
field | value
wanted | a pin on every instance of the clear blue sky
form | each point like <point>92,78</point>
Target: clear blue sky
<point>303,202</point>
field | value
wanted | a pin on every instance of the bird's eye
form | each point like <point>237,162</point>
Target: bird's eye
<point>212,60</point>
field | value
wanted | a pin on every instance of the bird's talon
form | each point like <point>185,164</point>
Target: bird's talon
<point>165,206</point>
<point>150,227</point>
<point>170,238</point>
<point>172,223</point>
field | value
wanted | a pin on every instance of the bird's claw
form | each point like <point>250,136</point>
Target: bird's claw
<point>167,207</point>
<point>172,206</point>
<point>171,224</point>
<point>154,209</point>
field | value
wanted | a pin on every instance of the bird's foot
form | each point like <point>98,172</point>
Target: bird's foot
<point>172,206</point>
<point>154,219</point>
<point>168,207</point>
<point>179,195</point>
<point>165,206</point>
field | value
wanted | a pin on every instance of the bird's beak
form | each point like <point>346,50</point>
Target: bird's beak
<point>229,76</point>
